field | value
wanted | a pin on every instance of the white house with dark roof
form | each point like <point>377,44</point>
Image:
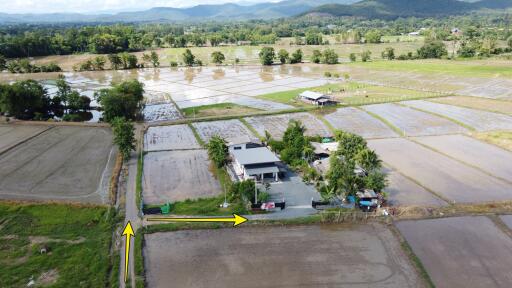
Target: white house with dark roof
<point>315,98</point>
<point>255,163</point>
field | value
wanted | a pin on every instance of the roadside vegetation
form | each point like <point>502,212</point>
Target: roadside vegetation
<point>76,238</point>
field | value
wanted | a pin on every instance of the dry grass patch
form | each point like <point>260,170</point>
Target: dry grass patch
<point>499,138</point>
<point>498,106</point>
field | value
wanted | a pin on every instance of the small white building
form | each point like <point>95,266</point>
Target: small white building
<point>315,98</point>
<point>255,163</point>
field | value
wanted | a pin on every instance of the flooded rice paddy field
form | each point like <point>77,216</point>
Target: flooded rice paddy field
<point>190,87</point>
<point>230,130</point>
<point>174,137</point>
<point>325,256</point>
<point>443,175</point>
<point>63,163</point>
<point>489,158</point>
<point>177,175</point>
<point>477,119</point>
<point>413,122</point>
<point>359,122</point>
<point>403,191</point>
<point>463,252</point>
<point>276,125</point>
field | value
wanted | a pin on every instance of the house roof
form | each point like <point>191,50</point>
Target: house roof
<point>312,95</point>
<point>254,156</point>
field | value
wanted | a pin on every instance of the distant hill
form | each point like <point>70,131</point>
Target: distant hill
<point>407,8</point>
<point>220,12</point>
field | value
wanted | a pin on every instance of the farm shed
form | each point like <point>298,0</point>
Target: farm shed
<point>316,98</point>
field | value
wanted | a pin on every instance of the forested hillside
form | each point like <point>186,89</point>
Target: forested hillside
<point>386,9</point>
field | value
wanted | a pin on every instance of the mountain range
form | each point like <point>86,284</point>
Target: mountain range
<point>407,8</point>
<point>271,10</point>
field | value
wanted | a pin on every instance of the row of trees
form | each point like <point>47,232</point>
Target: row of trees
<point>119,61</point>
<point>24,66</point>
<point>268,55</point>
<point>29,100</point>
<point>28,41</point>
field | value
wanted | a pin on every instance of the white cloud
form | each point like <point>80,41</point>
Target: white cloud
<point>96,6</point>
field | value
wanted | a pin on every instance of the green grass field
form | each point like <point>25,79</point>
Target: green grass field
<point>352,93</point>
<point>291,97</point>
<point>78,239</point>
<point>217,110</point>
<point>467,68</point>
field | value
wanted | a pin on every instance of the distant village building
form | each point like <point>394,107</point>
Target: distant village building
<point>456,32</point>
<point>316,98</point>
<point>243,43</point>
<point>255,163</point>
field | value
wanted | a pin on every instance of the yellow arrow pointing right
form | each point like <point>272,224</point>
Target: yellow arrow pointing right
<point>236,219</point>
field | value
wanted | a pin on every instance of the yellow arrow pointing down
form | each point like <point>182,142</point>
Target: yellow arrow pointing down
<point>128,231</point>
<point>236,219</point>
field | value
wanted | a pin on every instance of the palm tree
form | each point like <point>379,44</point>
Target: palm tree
<point>368,160</point>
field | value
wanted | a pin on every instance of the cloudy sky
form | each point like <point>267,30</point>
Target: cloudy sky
<point>94,6</point>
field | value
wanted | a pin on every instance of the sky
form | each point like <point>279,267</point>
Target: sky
<point>96,6</point>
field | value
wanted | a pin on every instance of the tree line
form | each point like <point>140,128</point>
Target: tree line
<point>29,100</point>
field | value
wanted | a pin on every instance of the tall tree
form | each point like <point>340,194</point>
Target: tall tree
<point>218,57</point>
<point>115,61</point>
<point>188,58</point>
<point>296,57</point>
<point>283,56</point>
<point>123,100</point>
<point>24,99</point>
<point>154,59</point>
<point>267,55</point>
<point>124,136</point>
<point>218,150</point>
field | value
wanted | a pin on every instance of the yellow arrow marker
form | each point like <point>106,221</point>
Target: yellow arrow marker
<point>128,231</point>
<point>236,219</point>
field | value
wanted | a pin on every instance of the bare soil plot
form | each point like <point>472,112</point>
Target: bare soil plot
<point>413,122</point>
<point>276,125</point>
<point>11,135</point>
<point>172,137</point>
<point>507,219</point>
<point>161,112</point>
<point>64,163</point>
<point>177,175</point>
<point>441,174</point>
<point>477,103</point>
<point>477,119</point>
<point>461,252</point>
<point>227,129</point>
<point>489,158</point>
<point>359,122</point>
<point>302,256</point>
<point>405,192</point>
